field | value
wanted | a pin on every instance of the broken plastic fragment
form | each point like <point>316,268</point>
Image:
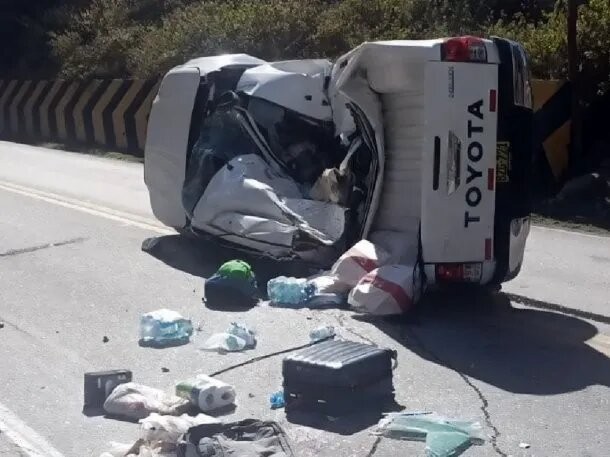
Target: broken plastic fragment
<point>277,400</point>
<point>444,437</point>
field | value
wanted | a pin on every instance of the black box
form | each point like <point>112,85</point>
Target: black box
<point>337,377</point>
<point>99,385</point>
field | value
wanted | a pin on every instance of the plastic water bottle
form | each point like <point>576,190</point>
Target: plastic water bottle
<point>290,291</point>
<point>322,333</point>
<point>243,332</point>
<point>164,327</point>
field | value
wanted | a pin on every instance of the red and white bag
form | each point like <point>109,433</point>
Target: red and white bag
<point>385,291</point>
<point>357,261</point>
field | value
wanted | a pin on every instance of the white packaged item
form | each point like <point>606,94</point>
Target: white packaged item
<point>206,393</point>
<point>169,429</point>
<point>136,401</point>
<point>357,261</point>
<point>327,283</point>
<point>384,291</point>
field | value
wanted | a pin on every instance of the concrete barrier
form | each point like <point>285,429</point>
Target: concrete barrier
<point>114,113</point>
<point>110,113</point>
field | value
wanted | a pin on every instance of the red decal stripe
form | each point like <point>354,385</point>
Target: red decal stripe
<point>488,248</point>
<point>398,293</point>
<point>365,263</point>
<point>493,100</point>
<point>491,179</point>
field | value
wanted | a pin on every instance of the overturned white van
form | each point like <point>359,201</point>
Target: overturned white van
<point>423,147</point>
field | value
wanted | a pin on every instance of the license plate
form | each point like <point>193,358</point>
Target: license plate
<point>503,161</point>
<point>472,272</point>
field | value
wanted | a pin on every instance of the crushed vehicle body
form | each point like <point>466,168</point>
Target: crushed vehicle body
<point>423,147</point>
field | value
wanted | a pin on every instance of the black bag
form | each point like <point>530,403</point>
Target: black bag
<point>230,293</point>
<point>337,377</point>
<point>247,438</point>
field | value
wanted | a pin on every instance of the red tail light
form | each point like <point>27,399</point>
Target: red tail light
<point>464,49</point>
<point>449,272</point>
<point>459,272</point>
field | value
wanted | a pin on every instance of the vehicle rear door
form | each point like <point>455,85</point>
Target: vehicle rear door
<point>459,162</point>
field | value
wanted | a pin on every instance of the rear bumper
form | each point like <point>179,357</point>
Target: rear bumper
<point>515,152</point>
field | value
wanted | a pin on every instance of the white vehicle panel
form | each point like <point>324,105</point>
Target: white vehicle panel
<point>167,142</point>
<point>458,190</point>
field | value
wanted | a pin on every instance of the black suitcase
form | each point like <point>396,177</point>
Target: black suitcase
<point>337,377</point>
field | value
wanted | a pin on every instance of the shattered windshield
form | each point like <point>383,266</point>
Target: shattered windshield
<point>222,137</point>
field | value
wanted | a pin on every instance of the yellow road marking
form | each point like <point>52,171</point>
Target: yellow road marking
<point>89,208</point>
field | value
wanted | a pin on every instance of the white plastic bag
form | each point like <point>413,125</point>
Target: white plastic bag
<point>327,283</point>
<point>385,291</point>
<point>169,429</point>
<point>357,261</point>
<point>236,338</point>
<point>136,401</point>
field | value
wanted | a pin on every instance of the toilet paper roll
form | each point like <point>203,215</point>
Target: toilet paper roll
<point>207,393</point>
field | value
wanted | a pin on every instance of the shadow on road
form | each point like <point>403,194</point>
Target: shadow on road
<point>200,257</point>
<point>482,336</point>
<point>524,351</point>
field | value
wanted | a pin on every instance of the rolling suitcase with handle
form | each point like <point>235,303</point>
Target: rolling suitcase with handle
<point>337,377</point>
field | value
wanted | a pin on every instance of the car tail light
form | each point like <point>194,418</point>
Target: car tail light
<point>449,272</point>
<point>458,272</point>
<point>464,49</point>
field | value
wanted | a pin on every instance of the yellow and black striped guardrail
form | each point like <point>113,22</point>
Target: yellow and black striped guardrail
<point>552,123</point>
<point>111,113</point>
<point>114,113</point>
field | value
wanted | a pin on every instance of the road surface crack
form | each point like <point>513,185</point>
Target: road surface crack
<point>14,252</point>
<point>495,435</point>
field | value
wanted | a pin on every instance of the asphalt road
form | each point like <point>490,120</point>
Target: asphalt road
<point>72,272</point>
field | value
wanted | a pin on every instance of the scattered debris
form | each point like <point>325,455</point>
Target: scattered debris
<point>385,291</point>
<point>358,373</point>
<point>159,436</point>
<point>290,292</point>
<point>303,293</point>
<point>236,338</point>
<point>169,429</point>
<point>165,370</point>
<point>136,401</point>
<point>327,283</point>
<point>524,445</point>
<point>206,393</point>
<point>99,385</point>
<point>233,285</point>
<point>164,328</point>
<point>223,342</point>
<point>356,262</point>
<point>1,325</point>
<point>250,395</point>
<point>105,339</point>
<point>277,400</point>
<point>444,437</point>
<point>249,437</point>
<point>322,333</point>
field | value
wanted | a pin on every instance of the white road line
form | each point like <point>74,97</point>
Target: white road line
<point>26,439</point>
<point>89,208</point>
